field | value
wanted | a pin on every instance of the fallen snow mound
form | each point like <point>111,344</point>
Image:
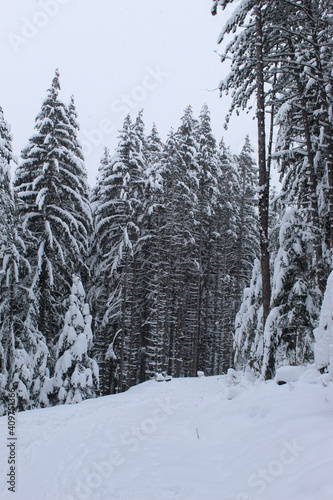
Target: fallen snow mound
<point>205,438</point>
<point>288,374</point>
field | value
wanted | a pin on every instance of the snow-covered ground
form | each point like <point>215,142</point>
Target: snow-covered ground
<point>209,438</point>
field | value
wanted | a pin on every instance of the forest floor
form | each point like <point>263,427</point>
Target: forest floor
<point>208,438</point>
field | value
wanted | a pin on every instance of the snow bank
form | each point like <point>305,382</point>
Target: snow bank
<point>230,437</point>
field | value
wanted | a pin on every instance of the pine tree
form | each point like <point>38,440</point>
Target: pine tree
<point>51,184</point>
<point>295,303</point>
<point>13,265</point>
<point>248,76</point>
<point>247,222</point>
<point>9,262</point>
<point>248,341</point>
<point>186,346</point>
<point>6,154</point>
<point>31,373</point>
<point>100,280</point>
<point>119,212</point>
<point>224,261</point>
<point>154,270</point>
<point>208,207</point>
<point>171,254</point>
<point>75,374</point>
<point>287,46</point>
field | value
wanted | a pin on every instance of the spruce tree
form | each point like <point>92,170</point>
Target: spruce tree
<point>187,185</point>
<point>296,298</point>
<point>100,279</point>
<point>9,263</point>
<point>154,266</point>
<point>119,212</point>
<point>248,341</point>
<point>208,204</point>
<point>75,374</point>
<point>31,373</point>
<point>51,185</point>
<point>13,267</point>
<point>224,260</point>
<point>247,248</point>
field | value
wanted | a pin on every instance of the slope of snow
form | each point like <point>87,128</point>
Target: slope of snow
<point>209,438</point>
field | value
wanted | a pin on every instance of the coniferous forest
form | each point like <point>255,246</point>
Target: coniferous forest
<point>183,257</point>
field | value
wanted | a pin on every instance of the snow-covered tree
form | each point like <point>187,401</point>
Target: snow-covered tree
<point>250,24</point>
<point>224,289</point>
<point>247,245</point>
<point>75,374</point>
<point>155,270</point>
<point>186,335</point>
<point>54,207</point>
<point>6,220</point>
<point>324,333</point>
<point>295,297</point>
<point>119,212</point>
<point>31,373</point>
<point>248,341</point>
<point>12,261</point>
<point>6,154</point>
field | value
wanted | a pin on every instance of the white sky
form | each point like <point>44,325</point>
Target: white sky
<point>107,51</point>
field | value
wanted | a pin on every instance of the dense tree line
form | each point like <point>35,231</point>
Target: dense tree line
<point>163,245</point>
<point>166,281</point>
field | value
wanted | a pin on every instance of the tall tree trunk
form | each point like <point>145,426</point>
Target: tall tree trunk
<point>263,183</point>
<point>205,344</point>
<point>263,176</point>
<point>121,384</point>
<point>195,360</point>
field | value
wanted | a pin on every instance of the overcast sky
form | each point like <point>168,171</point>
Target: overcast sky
<point>115,56</point>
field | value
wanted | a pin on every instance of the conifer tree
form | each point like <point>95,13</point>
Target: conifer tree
<point>225,236</point>
<point>51,185</point>
<point>187,184</point>
<point>154,269</point>
<point>9,262</point>
<point>76,374</point>
<point>12,267</point>
<point>207,205</point>
<point>31,372</point>
<point>248,341</point>
<point>119,212</point>
<point>251,22</point>
<point>247,222</point>
<point>295,303</point>
<point>100,280</point>
<point>171,234</point>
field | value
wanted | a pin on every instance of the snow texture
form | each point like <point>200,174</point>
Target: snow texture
<point>208,438</point>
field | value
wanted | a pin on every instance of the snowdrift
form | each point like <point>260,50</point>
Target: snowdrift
<point>210,438</point>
